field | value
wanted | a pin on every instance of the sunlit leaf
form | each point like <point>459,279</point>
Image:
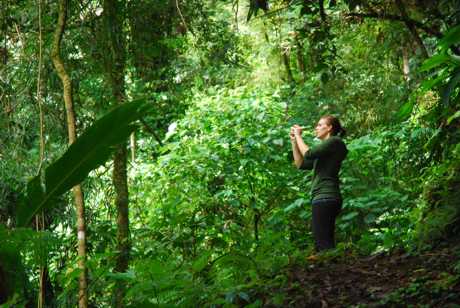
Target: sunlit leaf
<point>350,215</point>
<point>406,109</point>
<point>453,117</point>
<point>201,262</point>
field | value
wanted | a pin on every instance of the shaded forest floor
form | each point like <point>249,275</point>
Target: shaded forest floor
<point>397,279</point>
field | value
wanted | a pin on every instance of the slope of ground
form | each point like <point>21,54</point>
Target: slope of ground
<point>399,279</point>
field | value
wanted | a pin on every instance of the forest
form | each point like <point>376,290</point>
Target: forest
<point>145,158</point>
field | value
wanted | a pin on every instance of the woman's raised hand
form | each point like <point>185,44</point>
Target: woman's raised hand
<point>297,129</point>
<point>292,134</point>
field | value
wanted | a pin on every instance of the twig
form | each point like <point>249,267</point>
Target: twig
<point>151,131</point>
<point>236,7</point>
<point>182,18</point>
<point>19,35</point>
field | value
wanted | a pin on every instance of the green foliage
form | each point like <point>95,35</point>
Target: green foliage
<point>377,201</point>
<point>88,152</point>
<point>446,65</point>
<point>218,212</point>
<point>347,86</point>
<point>157,37</point>
<point>439,210</point>
<point>236,167</point>
<point>22,250</point>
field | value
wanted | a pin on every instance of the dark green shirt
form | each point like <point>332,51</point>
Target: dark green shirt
<point>325,159</point>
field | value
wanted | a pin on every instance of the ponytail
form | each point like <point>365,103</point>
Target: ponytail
<point>337,129</point>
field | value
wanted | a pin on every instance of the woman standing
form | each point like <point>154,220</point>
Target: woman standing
<point>325,159</point>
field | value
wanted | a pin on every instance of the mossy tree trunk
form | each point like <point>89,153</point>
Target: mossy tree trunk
<point>115,73</point>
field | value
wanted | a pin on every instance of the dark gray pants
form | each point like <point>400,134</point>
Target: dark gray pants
<point>324,212</point>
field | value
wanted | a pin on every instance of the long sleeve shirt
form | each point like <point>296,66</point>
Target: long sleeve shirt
<point>325,159</point>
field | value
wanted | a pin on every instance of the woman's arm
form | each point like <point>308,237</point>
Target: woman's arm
<point>297,152</point>
<point>324,149</point>
<point>298,158</point>
<point>302,147</point>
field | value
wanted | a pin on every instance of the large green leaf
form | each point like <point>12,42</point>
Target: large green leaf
<point>428,84</point>
<point>406,109</point>
<point>454,80</point>
<point>435,61</point>
<point>452,37</point>
<point>89,151</point>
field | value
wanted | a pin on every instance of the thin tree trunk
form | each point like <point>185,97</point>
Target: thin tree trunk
<point>287,65</point>
<point>236,7</point>
<point>406,67</point>
<point>300,59</point>
<point>71,128</point>
<point>132,139</point>
<point>40,218</point>
<point>322,12</point>
<point>4,27</point>
<point>256,224</point>
<point>115,76</point>
<point>122,203</point>
<point>39,224</point>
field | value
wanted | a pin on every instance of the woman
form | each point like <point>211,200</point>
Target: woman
<point>325,159</point>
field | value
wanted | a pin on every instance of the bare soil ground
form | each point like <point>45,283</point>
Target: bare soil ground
<point>397,279</point>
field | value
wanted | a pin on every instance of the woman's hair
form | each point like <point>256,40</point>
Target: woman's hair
<point>337,129</point>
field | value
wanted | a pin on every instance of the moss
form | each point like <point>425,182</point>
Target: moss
<point>440,206</point>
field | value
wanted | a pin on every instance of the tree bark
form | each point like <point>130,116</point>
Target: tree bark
<point>406,67</point>
<point>287,65</point>
<point>71,128</point>
<point>256,224</point>
<point>132,142</point>
<point>40,218</point>
<point>115,74</point>
<point>322,12</point>
<point>300,59</point>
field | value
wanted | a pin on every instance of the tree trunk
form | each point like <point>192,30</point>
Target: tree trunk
<point>115,73</point>
<point>4,27</point>
<point>132,139</point>
<point>122,201</point>
<point>40,218</point>
<point>406,67</point>
<point>287,65</point>
<point>70,115</point>
<point>322,12</point>
<point>300,59</point>
<point>256,224</point>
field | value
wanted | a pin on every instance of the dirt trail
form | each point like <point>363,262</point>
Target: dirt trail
<point>429,279</point>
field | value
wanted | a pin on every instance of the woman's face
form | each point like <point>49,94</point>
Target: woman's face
<point>323,129</point>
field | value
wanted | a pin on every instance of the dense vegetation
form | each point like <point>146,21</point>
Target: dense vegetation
<point>178,188</point>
